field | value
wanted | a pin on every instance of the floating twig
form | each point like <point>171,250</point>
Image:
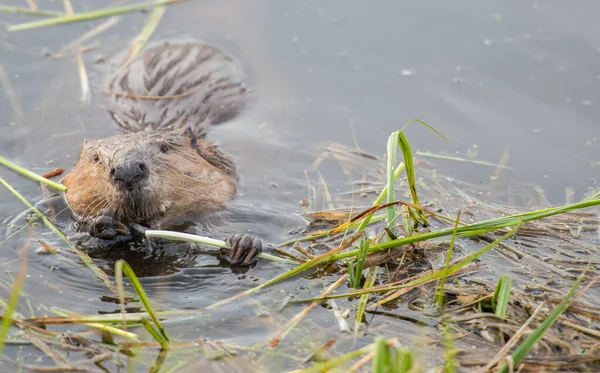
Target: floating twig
<point>32,175</point>
<point>86,16</point>
<point>33,12</point>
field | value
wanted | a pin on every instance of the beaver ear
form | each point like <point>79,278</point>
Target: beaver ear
<point>192,132</point>
<point>187,132</point>
<point>192,137</point>
<point>86,145</point>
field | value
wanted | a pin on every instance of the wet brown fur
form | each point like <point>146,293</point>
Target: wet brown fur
<point>164,100</point>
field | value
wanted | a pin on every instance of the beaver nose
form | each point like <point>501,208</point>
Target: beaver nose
<point>129,174</point>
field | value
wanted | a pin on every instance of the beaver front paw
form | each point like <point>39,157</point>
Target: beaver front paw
<point>107,228</point>
<point>243,249</point>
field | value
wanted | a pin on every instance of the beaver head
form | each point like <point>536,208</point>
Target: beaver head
<point>149,177</point>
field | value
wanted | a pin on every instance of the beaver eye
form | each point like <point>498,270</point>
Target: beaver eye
<point>164,148</point>
<point>96,158</point>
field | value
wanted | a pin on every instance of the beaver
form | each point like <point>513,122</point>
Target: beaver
<point>162,167</point>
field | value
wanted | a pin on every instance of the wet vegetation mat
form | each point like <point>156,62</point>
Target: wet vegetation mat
<point>454,283</point>
<point>399,268</point>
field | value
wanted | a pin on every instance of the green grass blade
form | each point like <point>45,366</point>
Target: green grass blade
<point>362,303</point>
<point>405,213</point>
<point>83,256</point>
<point>476,228</point>
<point>538,333</point>
<point>155,334</point>
<point>13,300</point>
<point>502,295</point>
<point>415,120</point>
<point>32,175</point>
<point>307,265</point>
<point>367,219</point>
<point>42,13</point>
<point>391,181</point>
<point>292,272</point>
<point>432,276</point>
<point>361,258</point>
<point>351,273</point>
<point>145,34</point>
<point>440,291</point>
<point>465,160</point>
<point>328,365</point>
<point>593,196</point>
<point>382,362</point>
<point>410,173</point>
<point>403,360</point>
<point>121,266</point>
<point>450,363</point>
<point>86,16</point>
<point>100,326</point>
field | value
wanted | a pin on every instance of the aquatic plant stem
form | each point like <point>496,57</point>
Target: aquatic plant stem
<point>83,256</point>
<point>160,334</point>
<point>144,35</point>
<point>475,228</point>
<point>14,298</point>
<point>334,362</point>
<point>440,291</point>
<point>380,198</point>
<point>32,175</point>
<point>422,279</point>
<point>539,332</point>
<point>35,12</point>
<point>287,328</point>
<point>86,16</point>
<point>187,237</point>
<point>391,180</point>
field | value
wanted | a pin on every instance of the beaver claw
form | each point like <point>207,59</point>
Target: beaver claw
<point>106,228</point>
<point>243,249</point>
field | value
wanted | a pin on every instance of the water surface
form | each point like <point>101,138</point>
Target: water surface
<point>493,76</point>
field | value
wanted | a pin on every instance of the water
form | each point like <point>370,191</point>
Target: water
<point>492,76</point>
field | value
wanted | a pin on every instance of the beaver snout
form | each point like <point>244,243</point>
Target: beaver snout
<point>129,174</point>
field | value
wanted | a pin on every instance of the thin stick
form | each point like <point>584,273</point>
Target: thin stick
<point>145,34</point>
<point>187,237</point>
<point>511,342</point>
<point>68,7</point>
<point>14,297</point>
<point>100,326</point>
<point>12,97</point>
<point>458,159</point>
<point>178,236</point>
<point>86,16</point>
<point>86,97</point>
<point>293,322</point>
<point>32,175</point>
<point>83,256</point>
<point>359,364</point>
<point>332,363</point>
<point>33,12</point>
<point>32,4</point>
<point>89,34</point>
<point>43,346</point>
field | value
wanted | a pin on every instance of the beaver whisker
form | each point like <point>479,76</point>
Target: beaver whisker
<point>95,203</point>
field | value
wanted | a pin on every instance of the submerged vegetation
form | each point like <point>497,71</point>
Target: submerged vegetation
<point>492,286</point>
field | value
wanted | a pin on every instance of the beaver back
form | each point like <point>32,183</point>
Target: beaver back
<point>176,85</point>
